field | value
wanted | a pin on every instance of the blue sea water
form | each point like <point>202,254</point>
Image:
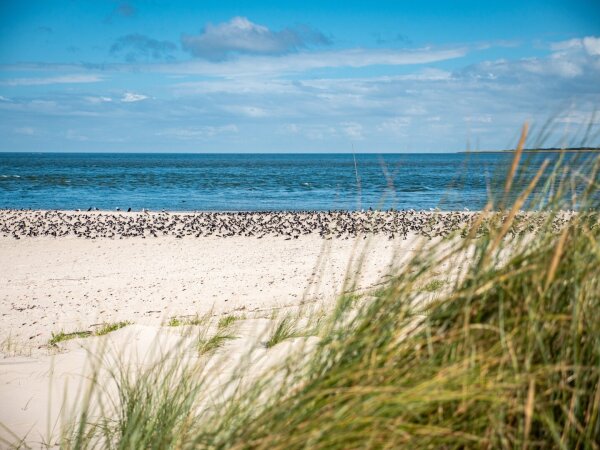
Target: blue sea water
<point>227,182</point>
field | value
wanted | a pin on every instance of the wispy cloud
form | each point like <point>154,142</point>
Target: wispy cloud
<point>98,100</point>
<point>61,79</point>
<point>395,126</point>
<point>312,132</point>
<point>256,101</point>
<point>123,9</point>
<point>353,130</point>
<point>305,61</point>
<point>241,36</point>
<point>74,135</point>
<point>572,59</point>
<point>131,97</point>
<point>590,44</point>
<point>135,47</point>
<point>192,133</point>
<point>28,131</point>
<point>272,65</point>
<point>579,118</point>
<point>485,118</point>
<point>247,111</point>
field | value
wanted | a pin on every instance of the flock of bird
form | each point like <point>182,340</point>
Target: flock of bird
<point>284,224</point>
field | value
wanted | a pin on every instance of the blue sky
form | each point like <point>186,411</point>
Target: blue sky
<point>296,76</point>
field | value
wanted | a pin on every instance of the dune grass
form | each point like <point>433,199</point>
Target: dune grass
<point>212,343</point>
<point>12,347</point>
<point>110,327</point>
<point>227,321</point>
<point>285,328</point>
<point>509,357</point>
<point>175,322</point>
<point>197,320</point>
<point>104,329</point>
<point>434,285</point>
<point>61,336</point>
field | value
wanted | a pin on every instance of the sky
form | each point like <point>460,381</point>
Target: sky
<point>297,76</point>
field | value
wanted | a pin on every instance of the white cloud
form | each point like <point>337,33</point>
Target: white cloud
<point>579,118</point>
<point>572,59</point>
<point>73,135</point>
<point>191,133</point>
<point>97,100</point>
<point>261,85</point>
<point>312,132</point>
<point>257,66</point>
<point>353,130</point>
<point>61,79</point>
<point>28,131</point>
<point>261,65</point>
<point>396,125</point>
<point>130,97</point>
<point>422,109</point>
<point>557,64</point>
<point>319,132</point>
<point>291,128</point>
<point>591,45</point>
<point>479,119</point>
<point>248,111</point>
<point>241,36</point>
<point>427,74</point>
<point>566,45</point>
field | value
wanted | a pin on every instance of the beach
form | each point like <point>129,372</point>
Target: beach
<point>74,272</point>
<point>69,283</point>
<point>69,271</point>
<point>249,225</point>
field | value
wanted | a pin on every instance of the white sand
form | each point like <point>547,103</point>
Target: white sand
<point>71,284</point>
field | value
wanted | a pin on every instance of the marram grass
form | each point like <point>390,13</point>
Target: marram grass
<point>509,357</point>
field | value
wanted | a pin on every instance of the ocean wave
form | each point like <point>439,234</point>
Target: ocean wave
<point>225,182</point>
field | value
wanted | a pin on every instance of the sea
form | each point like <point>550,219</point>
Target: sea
<point>251,182</point>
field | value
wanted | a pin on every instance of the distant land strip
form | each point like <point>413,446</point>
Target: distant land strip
<point>542,150</point>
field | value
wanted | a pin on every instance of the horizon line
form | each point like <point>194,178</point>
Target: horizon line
<point>128,152</point>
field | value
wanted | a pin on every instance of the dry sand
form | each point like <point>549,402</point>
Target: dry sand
<point>69,284</point>
<point>72,284</point>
